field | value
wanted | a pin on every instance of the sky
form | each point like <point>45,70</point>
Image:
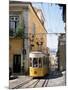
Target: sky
<point>53,22</point>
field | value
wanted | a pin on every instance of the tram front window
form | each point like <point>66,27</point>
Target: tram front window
<point>40,62</point>
<point>35,62</point>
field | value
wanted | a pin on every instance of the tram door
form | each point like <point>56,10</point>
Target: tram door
<point>16,63</point>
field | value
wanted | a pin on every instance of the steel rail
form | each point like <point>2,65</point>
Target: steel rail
<point>34,83</point>
<point>21,84</point>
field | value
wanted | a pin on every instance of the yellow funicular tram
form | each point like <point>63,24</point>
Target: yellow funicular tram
<point>38,64</point>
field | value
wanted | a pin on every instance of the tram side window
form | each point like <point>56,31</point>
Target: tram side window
<point>47,61</point>
<point>40,62</point>
<point>31,62</point>
<point>44,61</point>
<point>35,62</point>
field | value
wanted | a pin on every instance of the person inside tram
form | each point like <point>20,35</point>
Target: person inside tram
<point>35,63</point>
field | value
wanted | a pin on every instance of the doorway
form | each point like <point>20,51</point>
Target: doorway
<point>17,63</point>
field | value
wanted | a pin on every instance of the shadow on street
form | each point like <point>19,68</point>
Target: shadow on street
<point>51,75</point>
<point>54,74</point>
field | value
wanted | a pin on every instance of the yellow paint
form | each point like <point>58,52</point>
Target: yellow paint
<point>37,71</point>
<point>16,44</point>
<point>39,28</point>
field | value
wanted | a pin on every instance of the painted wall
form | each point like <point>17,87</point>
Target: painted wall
<point>30,19</point>
<point>15,45</point>
<point>39,28</point>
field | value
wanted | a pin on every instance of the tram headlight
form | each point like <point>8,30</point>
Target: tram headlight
<point>35,72</point>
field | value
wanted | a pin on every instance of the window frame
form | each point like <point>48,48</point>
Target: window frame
<point>13,30</point>
<point>30,62</point>
<point>41,62</point>
<point>36,64</point>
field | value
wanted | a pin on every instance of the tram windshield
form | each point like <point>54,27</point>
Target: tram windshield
<point>40,62</point>
<point>35,62</point>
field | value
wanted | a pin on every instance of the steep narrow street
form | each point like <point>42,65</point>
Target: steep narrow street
<point>53,79</point>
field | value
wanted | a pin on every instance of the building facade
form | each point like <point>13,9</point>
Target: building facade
<point>62,52</point>
<point>26,33</point>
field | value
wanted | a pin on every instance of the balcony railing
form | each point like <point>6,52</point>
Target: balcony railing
<point>21,34</point>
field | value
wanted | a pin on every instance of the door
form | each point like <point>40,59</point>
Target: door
<point>17,63</point>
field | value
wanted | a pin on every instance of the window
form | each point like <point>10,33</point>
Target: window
<point>40,62</point>
<point>44,61</point>
<point>35,62</point>
<point>30,62</point>
<point>47,61</point>
<point>13,21</point>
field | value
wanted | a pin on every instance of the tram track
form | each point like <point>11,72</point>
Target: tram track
<point>42,83</point>
<point>45,83</point>
<point>21,84</point>
<point>32,83</point>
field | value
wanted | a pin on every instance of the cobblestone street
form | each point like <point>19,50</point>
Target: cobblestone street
<point>53,79</point>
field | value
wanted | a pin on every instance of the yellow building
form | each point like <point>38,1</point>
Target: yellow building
<point>23,14</point>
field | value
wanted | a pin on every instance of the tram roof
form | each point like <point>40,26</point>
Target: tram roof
<point>36,54</point>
